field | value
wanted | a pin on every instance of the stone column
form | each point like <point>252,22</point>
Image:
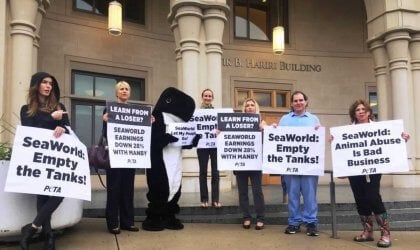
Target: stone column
<point>380,58</point>
<point>39,16</point>
<point>178,57</point>
<point>415,68</point>
<point>23,15</point>
<point>397,48</point>
<point>198,40</point>
<point>402,101</point>
<point>3,70</point>
<point>214,22</point>
<point>189,23</point>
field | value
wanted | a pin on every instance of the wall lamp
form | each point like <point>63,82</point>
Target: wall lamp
<point>115,18</point>
<point>278,34</point>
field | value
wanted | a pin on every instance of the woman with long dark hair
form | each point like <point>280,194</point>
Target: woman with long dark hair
<point>43,111</point>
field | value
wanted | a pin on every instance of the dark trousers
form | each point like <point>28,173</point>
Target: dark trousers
<point>46,205</point>
<point>120,195</point>
<point>366,192</point>
<point>256,184</point>
<point>203,158</point>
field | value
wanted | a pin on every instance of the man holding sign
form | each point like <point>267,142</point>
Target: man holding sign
<point>370,148</point>
<point>301,184</point>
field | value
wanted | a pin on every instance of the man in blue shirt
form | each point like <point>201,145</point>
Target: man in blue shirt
<point>301,184</point>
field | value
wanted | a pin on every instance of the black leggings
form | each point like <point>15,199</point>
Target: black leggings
<point>203,158</point>
<point>46,205</point>
<point>367,194</point>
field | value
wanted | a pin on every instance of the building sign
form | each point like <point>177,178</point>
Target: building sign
<point>252,63</point>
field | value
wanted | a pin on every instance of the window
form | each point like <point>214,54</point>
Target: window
<point>373,101</point>
<point>89,94</point>
<point>255,19</point>
<point>372,98</point>
<point>133,10</point>
<point>268,99</point>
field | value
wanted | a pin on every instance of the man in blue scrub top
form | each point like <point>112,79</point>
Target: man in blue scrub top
<point>301,184</point>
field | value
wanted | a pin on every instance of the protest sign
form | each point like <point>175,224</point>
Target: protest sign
<point>369,148</point>
<point>129,132</point>
<point>205,121</point>
<point>43,164</point>
<point>294,150</point>
<point>239,142</point>
<point>185,132</point>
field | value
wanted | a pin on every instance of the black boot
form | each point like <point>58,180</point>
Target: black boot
<point>153,223</point>
<point>27,232</point>
<point>49,243</point>
<point>171,222</point>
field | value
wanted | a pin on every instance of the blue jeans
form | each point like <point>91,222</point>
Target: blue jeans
<point>307,186</point>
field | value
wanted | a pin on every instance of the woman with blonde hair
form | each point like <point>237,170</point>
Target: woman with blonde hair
<point>250,105</point>
<point>119,211</point>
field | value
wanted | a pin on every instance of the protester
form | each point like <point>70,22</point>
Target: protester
<point>301,184</point>
<point>250,105</point>
<point>43,111</point>
<point>119,181</point>
<point>203,158</point>
<point>366,188</point>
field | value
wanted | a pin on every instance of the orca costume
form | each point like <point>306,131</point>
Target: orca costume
<point>165,175</point>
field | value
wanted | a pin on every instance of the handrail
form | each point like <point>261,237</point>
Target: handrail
<point>333,201</point>
<point>333,205</point>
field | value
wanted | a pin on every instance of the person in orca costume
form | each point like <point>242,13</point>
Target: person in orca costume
<point>165,175</point>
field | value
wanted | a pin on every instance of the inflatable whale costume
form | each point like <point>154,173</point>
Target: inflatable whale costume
<point>165,175</point>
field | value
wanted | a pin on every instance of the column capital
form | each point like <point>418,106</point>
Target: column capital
<point>201,4</point>
<point>415,51</point>
<point>23,16</point>
<point>397,48</point>
<point>214,23</point>
<point>380,57</point>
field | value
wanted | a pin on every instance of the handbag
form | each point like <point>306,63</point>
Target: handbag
<point>99,155</point>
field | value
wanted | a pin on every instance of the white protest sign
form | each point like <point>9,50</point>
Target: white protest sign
<point>129,133</point>
<point>206,125</point>
<point>43,164</point>
<point>369,148</point>
<point>294,150</point>
<point>239,142</point>
<point>185,132</point>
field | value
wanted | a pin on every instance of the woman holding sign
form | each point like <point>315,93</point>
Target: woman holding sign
<point>119,181</point>
<point>43,111</point>
<point>366,188</point>
<point>242,177</point>
<point>203,155</point>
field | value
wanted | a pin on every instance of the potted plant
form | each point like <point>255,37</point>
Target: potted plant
<point>5,148</point>
<point>5,152</point>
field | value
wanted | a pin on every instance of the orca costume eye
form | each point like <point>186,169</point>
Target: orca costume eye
<point>168,100</point>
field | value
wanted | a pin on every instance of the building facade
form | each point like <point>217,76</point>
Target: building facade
<point>336,51</point>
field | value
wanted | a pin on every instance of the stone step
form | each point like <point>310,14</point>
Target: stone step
<point>403,215</point>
